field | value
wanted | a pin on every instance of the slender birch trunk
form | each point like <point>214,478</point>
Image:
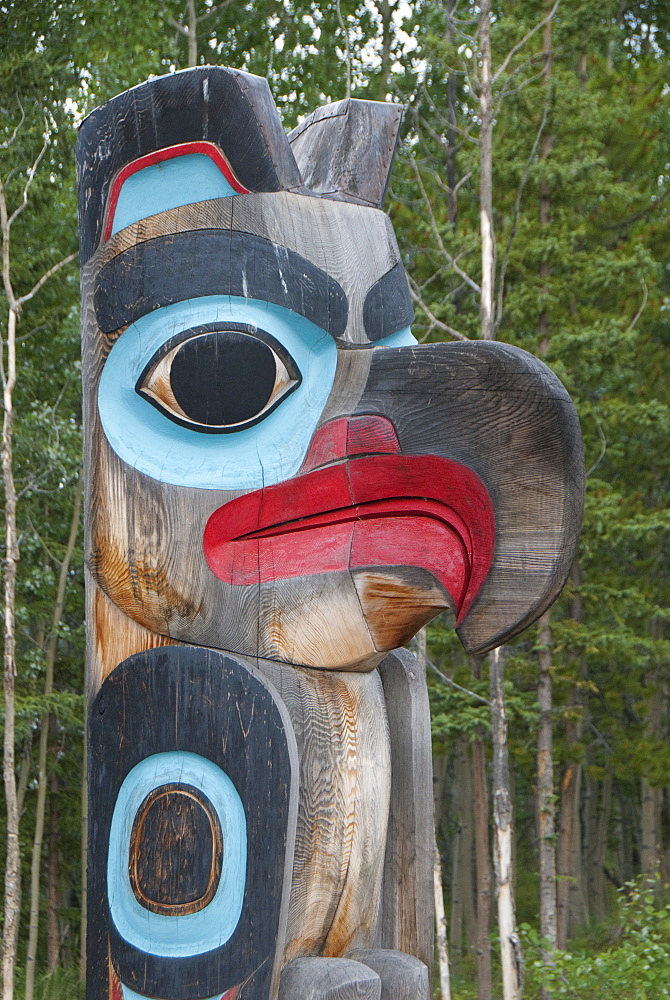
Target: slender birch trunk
<point>33,933</point>
<point>546,824</point>
<point>13,861</point>
<point>570,908</point>
<point>546,812</point>
<point>53,890</point>
<point>440,918</point>
<point>452,132</point>
<point>192,33</point>
<point>512,966</point>
<point>510,947</point>
<point>441,927</point>
<point>480,810</point>
<point>385,11</point>
<point>12,896</point>
<point>486,175</point>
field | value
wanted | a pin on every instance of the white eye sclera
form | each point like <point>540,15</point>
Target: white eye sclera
<point>219,379</point>
<point>166,415</point>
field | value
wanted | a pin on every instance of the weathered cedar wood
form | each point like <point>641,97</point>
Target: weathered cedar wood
<point>342,820</point>
<point>406,916</point>
<point>199,701</point>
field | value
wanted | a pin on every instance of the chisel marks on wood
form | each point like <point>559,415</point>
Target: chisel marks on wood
<point>342,735</point>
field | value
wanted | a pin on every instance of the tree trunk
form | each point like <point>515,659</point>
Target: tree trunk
<point>510,946</point>
<point>545,192</point>
<point>650,861</point>
<point>486,175</point>
<point>33,933</point>
<point>569,902</point>
<point>605,812</point>
<point>482,859</point>
<point>599,808</point>
<point>651,847</point>
<point>13,859</point>
<point>12,901</point>
<point>438,889</point>
<point>53,895</point>
<point>192,37</point>
<point>463,916</point>
<point>441,927</point>
<point>546,820</point>
<point>570,906</point>
<point>545,796</point>
<point>385,12</point>
<point>452,132</point>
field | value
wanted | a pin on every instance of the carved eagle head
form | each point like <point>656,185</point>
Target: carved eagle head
<point>276,467</point>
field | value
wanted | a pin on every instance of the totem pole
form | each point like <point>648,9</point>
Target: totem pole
<point>282,488</point>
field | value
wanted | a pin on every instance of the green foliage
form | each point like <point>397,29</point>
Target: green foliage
<point>61,984</point>
<point>635,965</point>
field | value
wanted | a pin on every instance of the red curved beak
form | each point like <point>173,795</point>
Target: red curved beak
<point>358,503</point>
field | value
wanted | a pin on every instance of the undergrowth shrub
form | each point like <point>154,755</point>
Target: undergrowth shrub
<point>634,966</point>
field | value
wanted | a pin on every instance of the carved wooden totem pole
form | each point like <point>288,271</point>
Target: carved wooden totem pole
<point>282,488</point>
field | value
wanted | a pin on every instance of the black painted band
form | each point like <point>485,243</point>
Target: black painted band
<point>203,262</point>
<point>207,694</point>
<point>230,108</point>
<point>388,306</point>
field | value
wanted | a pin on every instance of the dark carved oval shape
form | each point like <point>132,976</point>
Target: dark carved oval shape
<point>176,850</point>
<point>223,378</point>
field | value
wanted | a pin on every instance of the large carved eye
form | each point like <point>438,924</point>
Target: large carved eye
<point>217,379</point>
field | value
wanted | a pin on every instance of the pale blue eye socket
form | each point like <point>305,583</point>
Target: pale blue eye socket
<point>261,455</point>
<point>192,933</point>
<point>403,338</point>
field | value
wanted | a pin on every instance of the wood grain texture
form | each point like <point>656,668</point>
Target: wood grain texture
<point>396,603</point>
<point>402,976</point>
<point>230,108</point>
<point>355,245</point>
<point>340,725</point>
<point>151,275</point>
<point>328,979</point>
<point>309,555</point>
<point>345,150</point>
<point>178,822</point>
<point>500,412</point>
<point>111,636</point>
<point>406,920</point>
<point>199,702</point>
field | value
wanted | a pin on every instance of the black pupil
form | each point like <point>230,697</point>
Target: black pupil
<point>223,377</point>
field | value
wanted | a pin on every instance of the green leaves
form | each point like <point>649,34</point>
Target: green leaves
<point>636,965</point>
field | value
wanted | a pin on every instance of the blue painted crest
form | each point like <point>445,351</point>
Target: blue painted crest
<point>179,181</point>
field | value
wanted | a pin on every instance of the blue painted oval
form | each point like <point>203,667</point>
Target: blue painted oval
<point>257,456</point>
<point>192,933</point>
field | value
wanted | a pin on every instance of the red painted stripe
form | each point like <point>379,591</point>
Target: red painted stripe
<point>381,510</point>
<point>159,156</point>
<point>231,994</point>
<point>371,434</point>
<point>365,435</point>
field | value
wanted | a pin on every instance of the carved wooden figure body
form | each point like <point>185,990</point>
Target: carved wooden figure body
<point>282,488</point>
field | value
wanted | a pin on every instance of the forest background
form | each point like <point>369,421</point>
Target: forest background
<point>580,167</point>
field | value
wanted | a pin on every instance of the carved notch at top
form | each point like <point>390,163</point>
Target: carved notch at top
<point>345,150</point>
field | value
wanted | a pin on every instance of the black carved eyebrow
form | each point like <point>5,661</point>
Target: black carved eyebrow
<point>388,306</point>
<point>203,262</point>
